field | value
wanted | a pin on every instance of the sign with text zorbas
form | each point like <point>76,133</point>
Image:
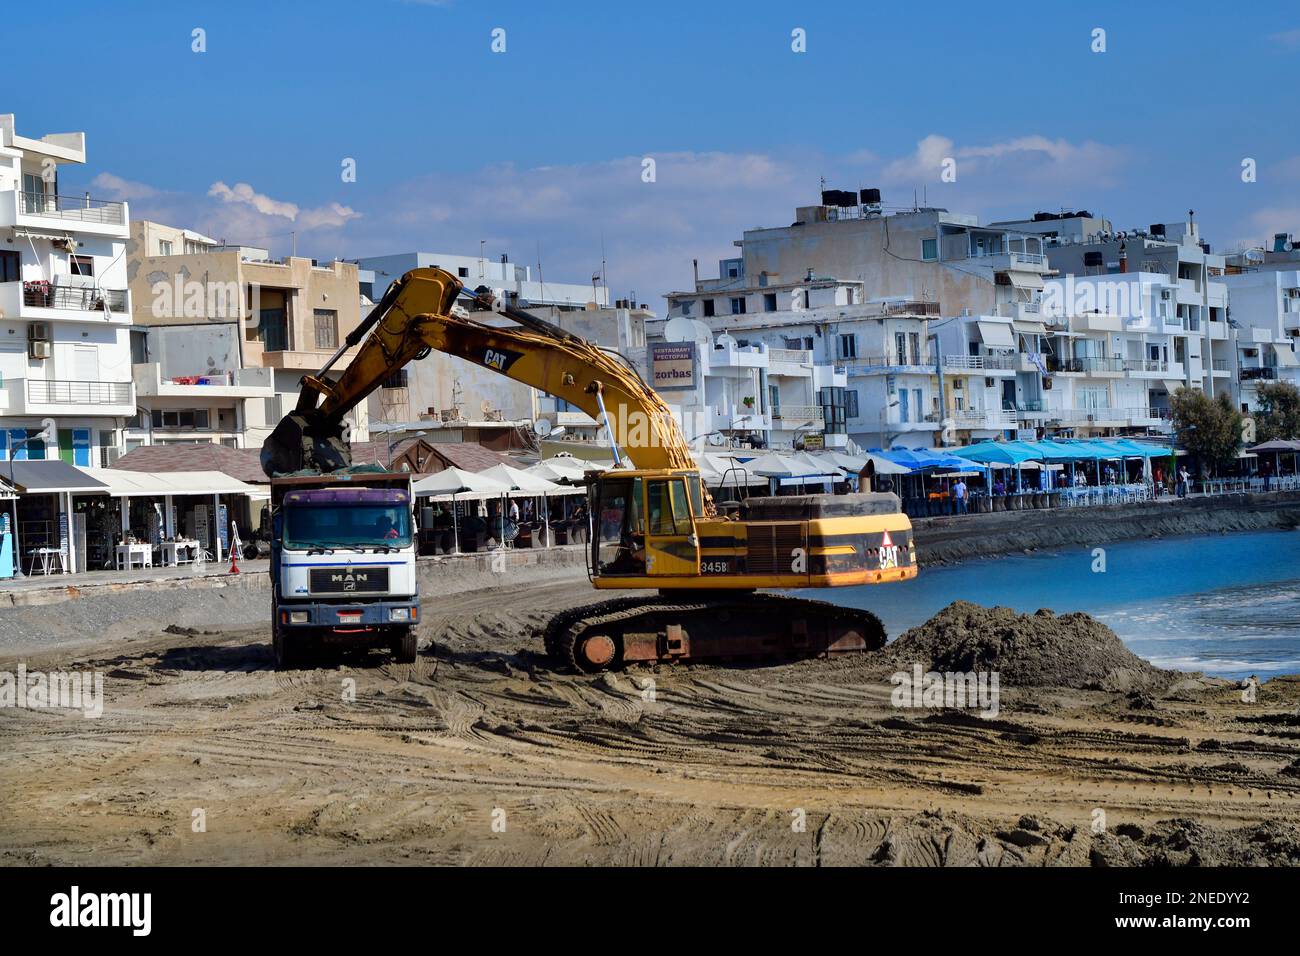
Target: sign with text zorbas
<point>673,365</point>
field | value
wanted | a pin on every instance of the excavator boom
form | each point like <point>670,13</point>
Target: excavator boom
<point>416,316</point>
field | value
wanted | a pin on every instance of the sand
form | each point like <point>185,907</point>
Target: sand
<point>480,753</point>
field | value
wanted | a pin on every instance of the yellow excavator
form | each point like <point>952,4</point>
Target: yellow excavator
<point>654,527</point>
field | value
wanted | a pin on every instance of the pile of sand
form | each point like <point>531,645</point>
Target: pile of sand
<point>1040,649</point>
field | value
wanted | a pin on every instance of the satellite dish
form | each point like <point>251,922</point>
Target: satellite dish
<point>716,439</point>
<point>679,329</point>
<point>542,427</point>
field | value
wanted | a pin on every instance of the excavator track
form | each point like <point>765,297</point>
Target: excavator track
<point>656,628</point>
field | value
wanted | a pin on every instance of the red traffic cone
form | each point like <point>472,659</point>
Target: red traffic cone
<point>234,561</point>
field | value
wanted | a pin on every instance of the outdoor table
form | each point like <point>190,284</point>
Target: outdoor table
<point>172,550</point>
<point>127,553</point>
<point>48,557</point>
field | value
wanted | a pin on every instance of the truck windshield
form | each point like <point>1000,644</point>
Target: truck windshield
<point>347,526</point>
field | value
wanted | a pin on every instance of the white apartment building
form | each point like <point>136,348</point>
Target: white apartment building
<point>516,284</point>
<point>1096,355</point>
<point>860,288</point>
<point>1264,312</point>
<point>65,308</point>
<point>745,387</point>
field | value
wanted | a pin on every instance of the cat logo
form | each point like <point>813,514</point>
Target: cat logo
<point>888,552</point>
<point>500,360</point>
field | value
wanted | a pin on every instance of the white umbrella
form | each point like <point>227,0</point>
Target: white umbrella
<point>451,482</point>
<point>781,466</point>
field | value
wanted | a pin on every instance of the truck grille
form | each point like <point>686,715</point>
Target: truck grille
<point>348,580</point>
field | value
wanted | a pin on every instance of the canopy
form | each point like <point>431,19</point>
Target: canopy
<point>782,466</point>
<point>996,335</point>
<point>721,470</point>
<point>925,459</point>
<point>1277,445</point>
<point>454,481</point>
<point>46,477</point>
<point>1003,453</point>
<point>854,464</point>
<point>119,483</point>
<point>516,480</point>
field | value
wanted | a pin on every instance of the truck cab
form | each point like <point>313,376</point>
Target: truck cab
<point>343,565</point>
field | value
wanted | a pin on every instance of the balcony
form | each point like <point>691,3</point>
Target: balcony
<point>791,416</point>
<point>1089,365</point>
<point>1146,366</point>
<point>66,397</point>
<point>867,364</point>
<point>83,214</point>
<point>983,418</point>
<point>1264,372</point>
<point>1004,362</point>
<point>241,383</point>
<point>789,356</point>
<point>44,302</point>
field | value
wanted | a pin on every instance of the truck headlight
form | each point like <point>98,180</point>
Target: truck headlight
<point>298,617</point>
<point>399,614</point>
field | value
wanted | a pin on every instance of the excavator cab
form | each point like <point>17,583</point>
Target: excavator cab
<point>644,524</point>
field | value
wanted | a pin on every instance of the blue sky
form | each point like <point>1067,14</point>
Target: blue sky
<point>538,150</point>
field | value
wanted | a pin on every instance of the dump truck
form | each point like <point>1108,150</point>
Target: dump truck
<point>342,565</point>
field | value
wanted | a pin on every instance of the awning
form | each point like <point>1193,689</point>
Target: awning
<point>52,477</point>
<point>1285,357</point>
<point>1172,385</point>
<point>118,483</point>
<point>996,335</point>
<point>1030,328</point>
<point>1025,280</point>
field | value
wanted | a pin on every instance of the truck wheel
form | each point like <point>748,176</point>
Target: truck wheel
<point>289,652</point>
<point>405,646</point>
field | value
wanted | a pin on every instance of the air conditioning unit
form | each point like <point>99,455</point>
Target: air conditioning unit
<point>38,332</point>
<point>1166,294</point>
<point>990,382</point>
<point>39,350</point>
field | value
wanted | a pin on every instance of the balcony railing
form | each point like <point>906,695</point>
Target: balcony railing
<point>798,413</point>
<point>1263,372</point>
<point>76,298</point>
<point>1145,365</point>
<point>891,361</point>
<point>59,392</point>
<point>1219,365</point>
<point>1093,364</point>
<point>82,208</point>
<point>1000,361</point>
<point>790,356</point>
<point>914,307</point>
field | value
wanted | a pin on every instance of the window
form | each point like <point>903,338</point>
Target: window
<point>463,272</point>
<point>164,247</point>
<point>832,403</point>
<point>180,418</point>
<point>769,301</point>
<point>396,380</point>
<point>916,401</point>
<point>667,507</point>
<point>82,265</point>
<point>8,266</point>
<point>738,305</point>
<point>708,308</point>
<point>851,403</point>
<point>327,328</point>
<point>848,346</point>
<point>192,247</point>
<point>929,249</point>
<point>272,330</point>
<point>900,347</point>
<point>271,409</point>
<point>914,339</point>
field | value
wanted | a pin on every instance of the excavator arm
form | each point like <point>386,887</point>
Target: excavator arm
<point>415,317</point>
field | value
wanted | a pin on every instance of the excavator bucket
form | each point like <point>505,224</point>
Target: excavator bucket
<point>302,441</point>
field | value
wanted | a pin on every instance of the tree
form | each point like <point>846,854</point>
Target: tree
<point>1209,428</point>
<point>1279,412</point>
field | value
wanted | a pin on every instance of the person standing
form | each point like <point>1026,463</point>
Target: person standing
<point>959,495</point>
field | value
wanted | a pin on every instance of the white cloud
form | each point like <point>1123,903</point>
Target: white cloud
<point>1287,38</point>
<point>243,192</point>
<point>108,186</point>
